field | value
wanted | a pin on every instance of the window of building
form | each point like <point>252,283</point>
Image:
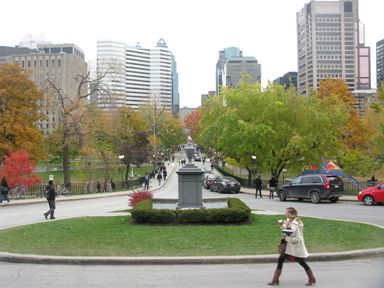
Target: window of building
<point>29,64</point>
<point>59,62</point>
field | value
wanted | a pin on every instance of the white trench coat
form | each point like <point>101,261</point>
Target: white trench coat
<point>295,242</point>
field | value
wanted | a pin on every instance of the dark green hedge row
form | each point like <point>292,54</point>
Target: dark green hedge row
<point>236,212</point>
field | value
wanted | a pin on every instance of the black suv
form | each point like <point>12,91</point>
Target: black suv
<point>316,187</point>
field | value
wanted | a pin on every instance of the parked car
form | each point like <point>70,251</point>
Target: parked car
<point>315,187</point>
<point>372,195</point>
<point>225,184</point>
<point>208,179</point>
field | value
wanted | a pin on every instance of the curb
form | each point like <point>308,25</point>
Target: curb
<point>257,259</point>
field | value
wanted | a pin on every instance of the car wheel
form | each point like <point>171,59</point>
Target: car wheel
<point>368,200</point>
<point>300,199</point>
<point>282,195</point>
<point>334,199</point>
<point>315,197</point>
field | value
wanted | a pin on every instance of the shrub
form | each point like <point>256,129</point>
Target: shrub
<point>139,196</point>
<point>236,212</point>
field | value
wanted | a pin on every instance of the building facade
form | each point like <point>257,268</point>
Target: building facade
<point>137,76</point>
<point>330,44</point>
<point>236,66</point>
<point>58,62</point>
<point>364,99</point>
<point>379,62</point>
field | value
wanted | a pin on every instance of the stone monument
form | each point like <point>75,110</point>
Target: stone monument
<point>190,180</point>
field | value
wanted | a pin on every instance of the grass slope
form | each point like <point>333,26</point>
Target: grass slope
<point>114,236</point>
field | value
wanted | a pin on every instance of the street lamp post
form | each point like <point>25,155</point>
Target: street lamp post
<point>254,158</point>
<point>121,157</point>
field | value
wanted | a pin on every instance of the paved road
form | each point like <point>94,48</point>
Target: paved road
<point>351,274</point>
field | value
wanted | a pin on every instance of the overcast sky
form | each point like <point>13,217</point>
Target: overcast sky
<point>195,31</point>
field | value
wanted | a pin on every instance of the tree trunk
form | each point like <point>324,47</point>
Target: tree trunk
<point>67,180</point>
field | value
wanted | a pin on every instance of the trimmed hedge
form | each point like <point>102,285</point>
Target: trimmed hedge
<point>237,212</point>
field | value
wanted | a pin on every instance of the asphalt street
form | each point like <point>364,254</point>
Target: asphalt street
<point>351,274</point>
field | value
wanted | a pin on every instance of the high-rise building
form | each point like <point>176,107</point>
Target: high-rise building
<point>379,62</point>
<point>224,56</point>
<point>236,66</point>
<point>287,80</point>
<point>330,44</point>
<point>58,62</point>
<point>137,76</point>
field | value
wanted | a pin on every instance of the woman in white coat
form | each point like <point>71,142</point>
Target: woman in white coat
<point>292,246</point>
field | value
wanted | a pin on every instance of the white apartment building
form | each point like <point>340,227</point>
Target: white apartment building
<point>330,45</point>
<point>135,76</point>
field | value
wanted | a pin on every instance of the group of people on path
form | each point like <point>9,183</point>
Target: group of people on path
<point>272,186</point>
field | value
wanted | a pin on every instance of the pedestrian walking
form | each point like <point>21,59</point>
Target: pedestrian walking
<point>258,185</point>
<point>113,185</point>
<point>272,184</point>
<point>146,181</point>
<point>292,246</point>
<point>98,186</point>
<point>165,173</point>
<point>159,177</point>
<point>4,193</point>
<point>50,193</point>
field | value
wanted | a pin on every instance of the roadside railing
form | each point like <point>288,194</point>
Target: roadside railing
<point>37,191</point>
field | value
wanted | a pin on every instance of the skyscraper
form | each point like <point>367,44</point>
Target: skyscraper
<point>137,76</point>
<point>379,62</point>
<point>330,44</point>
<point>224,55</point>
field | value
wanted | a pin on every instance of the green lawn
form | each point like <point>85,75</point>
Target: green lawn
<point>114,236</point>
<point>78,176</point>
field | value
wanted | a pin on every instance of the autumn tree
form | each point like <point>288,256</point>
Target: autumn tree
<point>192,122</point>
<point>279,127</point>
<point>130,137</point>
<point>19,112</point>
<point>356,134</point>
<point>72,108</point>
<point>171,132</point>
<point>18,169</point>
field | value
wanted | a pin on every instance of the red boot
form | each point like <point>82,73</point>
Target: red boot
<point>311,278</point>
<point>275,279</point>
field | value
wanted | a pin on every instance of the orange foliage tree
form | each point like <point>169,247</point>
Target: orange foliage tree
<point>192,122</point>
<point>18,169</point>
<point>19,112</point>
<point>356,133</point>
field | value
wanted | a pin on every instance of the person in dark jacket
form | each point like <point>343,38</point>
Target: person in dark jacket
<point>272,186</point>
<point>258,186</point>
<point>159,177</point>
<point>4,189</point>
<point>51,197</point>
